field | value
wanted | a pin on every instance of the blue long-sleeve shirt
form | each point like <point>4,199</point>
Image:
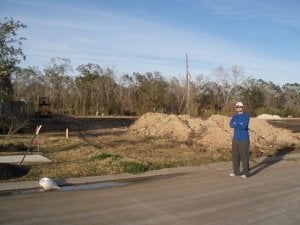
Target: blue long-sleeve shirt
<point>240,124</point>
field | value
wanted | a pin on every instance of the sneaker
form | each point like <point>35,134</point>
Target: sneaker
<point>232,174</point>
<point>244,176</point>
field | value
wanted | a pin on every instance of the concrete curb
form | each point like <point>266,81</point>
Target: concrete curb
<point>23,185</point>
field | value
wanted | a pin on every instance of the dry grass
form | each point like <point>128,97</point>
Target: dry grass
<point>111,154</point>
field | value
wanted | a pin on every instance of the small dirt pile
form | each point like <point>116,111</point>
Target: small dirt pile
<point>163,125</point>
<point>213,133</point>
<point>268,117</point>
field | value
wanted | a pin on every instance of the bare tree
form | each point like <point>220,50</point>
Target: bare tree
<point>13,125</point>
<point>27,85</point>
<point>177,95</point>
<point>152,89</point>
<point>128,96</point>
<point>291,96</point>
<point>13,118</point>
<point>56,76</point>
<point>229,81</point>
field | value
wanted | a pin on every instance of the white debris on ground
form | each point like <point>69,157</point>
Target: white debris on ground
<point>48,184</point>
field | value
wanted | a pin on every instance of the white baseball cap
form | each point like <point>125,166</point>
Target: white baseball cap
<point>240,104</point>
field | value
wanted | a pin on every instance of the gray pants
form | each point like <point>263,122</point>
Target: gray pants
<point>240,152</point>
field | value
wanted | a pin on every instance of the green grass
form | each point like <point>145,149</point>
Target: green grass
<point>134,167</point>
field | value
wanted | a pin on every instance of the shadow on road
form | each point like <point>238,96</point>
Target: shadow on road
<point>271,160</point>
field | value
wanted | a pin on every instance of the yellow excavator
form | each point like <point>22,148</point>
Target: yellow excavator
<point>44,107</point>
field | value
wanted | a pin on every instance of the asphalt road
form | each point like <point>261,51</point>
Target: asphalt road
<point>203,196</point>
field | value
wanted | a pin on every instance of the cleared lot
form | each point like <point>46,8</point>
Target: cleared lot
<point>100,146</point>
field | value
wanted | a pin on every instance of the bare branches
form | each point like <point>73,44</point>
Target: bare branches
<point>12,125</point>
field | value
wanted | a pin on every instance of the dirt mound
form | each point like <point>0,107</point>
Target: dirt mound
<point>163,125</point>
<point>213,133</point>
<point>217,133</point>
<point>268,117</point>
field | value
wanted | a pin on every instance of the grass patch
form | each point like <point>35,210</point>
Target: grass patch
<point>55,144</point>
<point>134,167</point>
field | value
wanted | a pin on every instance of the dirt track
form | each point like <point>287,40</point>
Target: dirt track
<point>80,124</point>
<point>290,124</point>
<point>85,127</point>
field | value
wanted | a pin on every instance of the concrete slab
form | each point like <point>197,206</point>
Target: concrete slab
<point>28,159</point>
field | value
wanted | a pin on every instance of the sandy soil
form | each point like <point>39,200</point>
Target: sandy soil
<point>214,133</point>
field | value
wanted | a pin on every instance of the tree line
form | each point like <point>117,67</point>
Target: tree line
<point>94,90</point>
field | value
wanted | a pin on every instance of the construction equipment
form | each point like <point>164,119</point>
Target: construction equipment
<point>44,107</point>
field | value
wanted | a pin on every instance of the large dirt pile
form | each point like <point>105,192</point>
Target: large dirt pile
<point>163,125</point>
<point>213,133</point>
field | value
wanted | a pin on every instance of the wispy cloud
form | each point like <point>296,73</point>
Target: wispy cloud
<point>135,44</point>
<point>282,12</point>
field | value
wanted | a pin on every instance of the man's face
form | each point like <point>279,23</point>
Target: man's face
<point>239,109</point>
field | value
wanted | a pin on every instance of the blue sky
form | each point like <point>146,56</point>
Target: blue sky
<point>262,36</point>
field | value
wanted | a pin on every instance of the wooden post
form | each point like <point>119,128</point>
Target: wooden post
<point>188,77</point>
<point>67,133</point>
<point>37,143</point>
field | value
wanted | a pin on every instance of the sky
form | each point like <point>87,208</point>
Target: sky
<point>260,36</point>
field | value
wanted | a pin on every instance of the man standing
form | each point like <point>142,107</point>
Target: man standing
<point>240,141</point>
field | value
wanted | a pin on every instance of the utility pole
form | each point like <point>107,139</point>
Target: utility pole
<point>187,85</point>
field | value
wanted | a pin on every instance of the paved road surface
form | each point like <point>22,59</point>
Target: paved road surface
<point>204,196</point>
